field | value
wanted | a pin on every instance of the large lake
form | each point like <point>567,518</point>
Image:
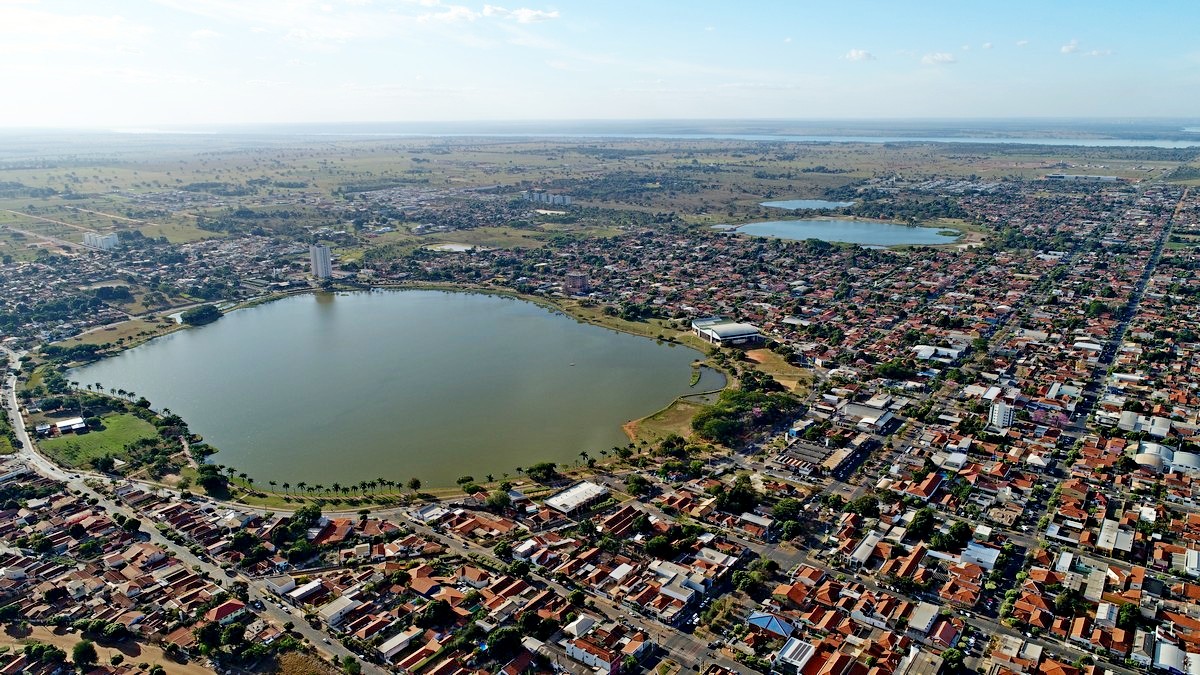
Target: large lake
<point>400,384</point>
<point>864,232</point>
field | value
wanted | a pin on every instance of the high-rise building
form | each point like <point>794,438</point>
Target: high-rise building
<point>104,242</point>
<point>1001,415</point>
<point>577,283</point>
<point>319,261</point>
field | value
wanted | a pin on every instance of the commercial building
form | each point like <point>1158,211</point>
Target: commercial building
<point>726,333</point>
<point>577,497</point>
<point>103,242</point>
<point>320,262</point>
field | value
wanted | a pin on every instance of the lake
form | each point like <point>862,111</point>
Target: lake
<point>863,232</point>
<point>400,384</point>
<point>806,204</point>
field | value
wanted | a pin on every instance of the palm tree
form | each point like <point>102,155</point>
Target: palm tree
<point>337,487</point>
<point>272,484</point>
<point>490,478</point>
<point>318,488</point>
<point>286,486</point>
<point>520,471</point>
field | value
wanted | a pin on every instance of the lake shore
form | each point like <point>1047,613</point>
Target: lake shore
<point>581,311</point>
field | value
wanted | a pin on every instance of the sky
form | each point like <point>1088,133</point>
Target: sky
<point>141,63</point>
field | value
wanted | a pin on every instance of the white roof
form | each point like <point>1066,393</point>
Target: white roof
<point>338,606</point>
<point>67,424</point>
<point>575,496</point>
<point>732,330</point>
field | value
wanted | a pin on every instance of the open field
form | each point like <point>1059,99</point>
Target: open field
<point>126,333</point>
<point>78,449</point>
<point>132,651</point>
<point>674,419</point>
<point>794,379</point>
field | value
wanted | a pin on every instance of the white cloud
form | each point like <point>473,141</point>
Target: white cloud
<point>938,58</point>
<point>1099,52</point>
<point>986,45</point>
<point>1022,43</point>
<point>205,34</point>
<point>966,48</point>
<point>859,55</point>
<point>1070,48</point>
<point>521,15</point>
<point>452,14</point>
<point>32,31</point>
<point>787,40</point>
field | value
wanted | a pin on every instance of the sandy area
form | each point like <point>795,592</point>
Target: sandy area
<point>134,652</point>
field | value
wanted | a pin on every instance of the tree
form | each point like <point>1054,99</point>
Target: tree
<point>787,509</point>
<point>209,634</point>
<point>499,500</point>
<point>436,613</point>
<point>1128,616</point>
<point>952,658</point>
<point>414,484</point>
<point>637,484</point>
<point>198,316</point>
<point>84,655</point>
<point>503,642</point>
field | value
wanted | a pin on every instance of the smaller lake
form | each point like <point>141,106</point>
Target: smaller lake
<point>863,232</point>
<point>806,204</point>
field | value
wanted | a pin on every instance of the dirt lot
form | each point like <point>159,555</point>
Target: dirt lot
<point>133,651</point>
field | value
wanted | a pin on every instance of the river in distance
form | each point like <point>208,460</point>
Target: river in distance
<point>400,384</point>
<point>862,232</point>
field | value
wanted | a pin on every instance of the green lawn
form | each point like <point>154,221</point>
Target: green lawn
<point>119,430</point>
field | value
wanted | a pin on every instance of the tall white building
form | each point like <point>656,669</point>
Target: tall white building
<point>319,261</point>
<point>104,242</point>
<point>1001,415</point>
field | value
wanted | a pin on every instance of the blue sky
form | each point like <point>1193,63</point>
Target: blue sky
<point>130,63</point>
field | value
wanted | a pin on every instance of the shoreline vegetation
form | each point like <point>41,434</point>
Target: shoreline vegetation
<point>673,419</point>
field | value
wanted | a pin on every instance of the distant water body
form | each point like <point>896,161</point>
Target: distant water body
<point>806,204</point>
<point>862,232</point>
<point>400,384</point>
<point>768,138</point>
<point>550,132</point>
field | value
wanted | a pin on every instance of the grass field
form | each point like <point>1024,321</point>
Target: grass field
<point>674,419</point>
<point>119,430</point>
<point>127,332</point>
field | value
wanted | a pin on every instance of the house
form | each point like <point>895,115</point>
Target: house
<point>333,613</point>
<point>226,613</point>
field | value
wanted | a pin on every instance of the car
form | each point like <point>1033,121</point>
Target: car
<point>325,640</point>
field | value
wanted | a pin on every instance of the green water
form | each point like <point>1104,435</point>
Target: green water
<point>400,384</point>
